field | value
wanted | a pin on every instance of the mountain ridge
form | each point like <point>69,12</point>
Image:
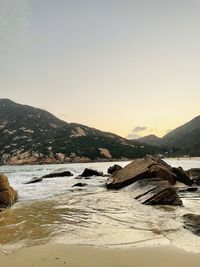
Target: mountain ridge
<point>184,140</point>
<point>30,135</point>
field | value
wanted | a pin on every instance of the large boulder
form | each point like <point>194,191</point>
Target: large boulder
<point>114,168</point>
<point>8,196</point>
<point>147,167</point>
<point>182,176</point>
<point>192,223</point>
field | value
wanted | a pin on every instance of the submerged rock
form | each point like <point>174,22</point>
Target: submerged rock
<point>58,174</point>
<point>147,167</point>
<point>189,189</point>
<point>8,196</point>
<point>34,180</point>
<point>89,172</point>
<point>192,223</point>
<point>114,168</point>
<point>79,185</point>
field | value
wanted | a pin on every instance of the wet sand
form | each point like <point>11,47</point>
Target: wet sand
<point>79,256</point>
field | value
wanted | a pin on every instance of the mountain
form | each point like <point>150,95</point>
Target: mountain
<point>30,135</point>
<point>151,140</point>
<point>184,140</point>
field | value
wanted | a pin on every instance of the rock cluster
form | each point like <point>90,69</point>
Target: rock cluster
<point>150,169</point>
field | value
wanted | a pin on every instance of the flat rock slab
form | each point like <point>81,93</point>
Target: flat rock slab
<point>154,191</point>
<point>147,167</point>
<point>192,223</point>
<point>161,195</point>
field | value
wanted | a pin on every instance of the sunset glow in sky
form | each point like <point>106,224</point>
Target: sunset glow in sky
<point>126,66</point>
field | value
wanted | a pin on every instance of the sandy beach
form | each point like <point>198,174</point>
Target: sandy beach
<point>80,256</point>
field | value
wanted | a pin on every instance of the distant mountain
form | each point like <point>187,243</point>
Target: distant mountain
<point>151,140</point>
<point>184,140</point>
<point>31,135</point>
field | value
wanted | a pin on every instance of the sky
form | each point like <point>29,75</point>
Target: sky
<point>125,66</point>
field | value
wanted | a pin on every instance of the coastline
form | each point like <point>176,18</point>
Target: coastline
<point>77,161</point>
<point>55,255</point>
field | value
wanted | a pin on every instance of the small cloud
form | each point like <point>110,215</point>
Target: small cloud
<point>138,129</point>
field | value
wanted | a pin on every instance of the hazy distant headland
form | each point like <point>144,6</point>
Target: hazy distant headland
<point>31,135</point>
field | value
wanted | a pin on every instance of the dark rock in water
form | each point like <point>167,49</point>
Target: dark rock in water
<point>194,175</point>
<point>8,196</point>
<point>90,172</point>
<point>192,189</point>
<point>182,176</point>
<point>189,189</point>
<point>114,168</point>
<point>192,223</point>
<point>58,174</point>
<point>79,185</point>
<point>148,167</point>
<point>34,180</point>
<point>157,192</point>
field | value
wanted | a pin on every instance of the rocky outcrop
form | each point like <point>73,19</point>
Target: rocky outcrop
<point>114,168</point>
<point>89,172</point>
<point>182,176</point>
<point>194,175</point>
<point>8,196</point>
<point>147,167</point>
<point>58,174</point>
<point>192,223</point>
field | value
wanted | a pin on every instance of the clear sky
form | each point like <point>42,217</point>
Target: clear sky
<point>131,67</point>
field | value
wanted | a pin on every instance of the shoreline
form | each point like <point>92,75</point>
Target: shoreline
<point>86,161</point>
<point>57,255</point>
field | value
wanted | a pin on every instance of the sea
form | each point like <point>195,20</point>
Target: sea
<point>53,211</point>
